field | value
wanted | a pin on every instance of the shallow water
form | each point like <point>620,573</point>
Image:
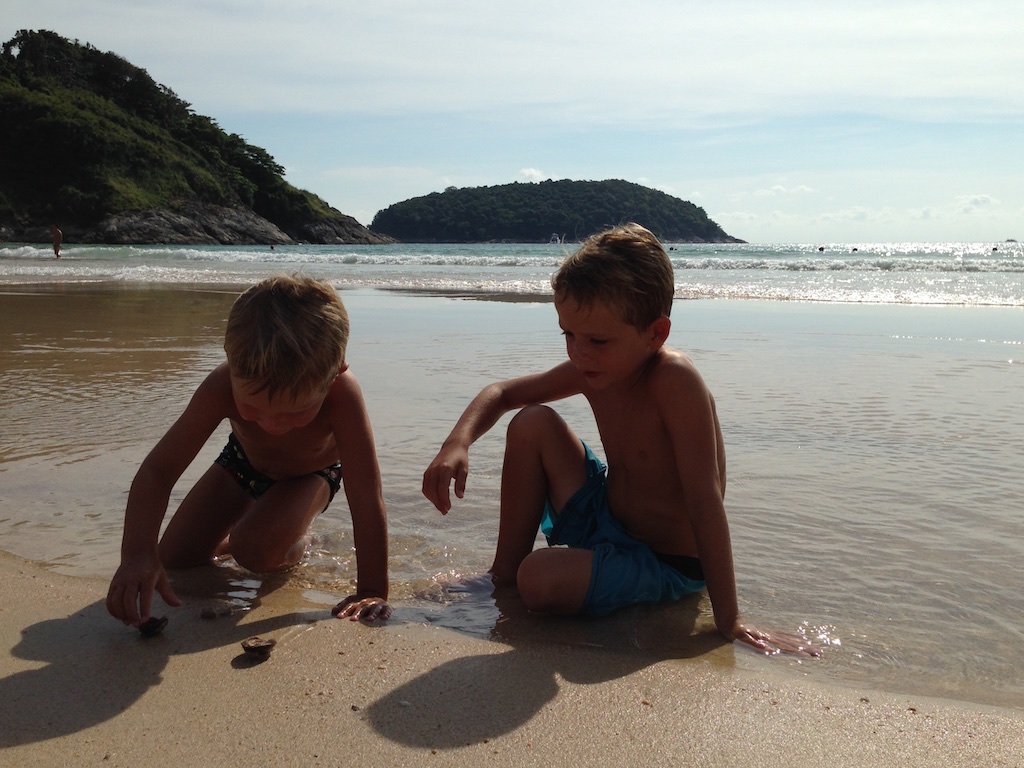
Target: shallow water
<point>874,462</point>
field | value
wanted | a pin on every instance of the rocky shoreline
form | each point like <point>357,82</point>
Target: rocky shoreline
<point>201,224</point>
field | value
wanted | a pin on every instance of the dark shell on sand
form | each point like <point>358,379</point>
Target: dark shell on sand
<point>258,646</point>
<point>153,626</point>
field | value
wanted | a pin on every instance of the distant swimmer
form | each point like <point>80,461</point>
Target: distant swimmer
<point>821,249</point>
<point>58,238</point>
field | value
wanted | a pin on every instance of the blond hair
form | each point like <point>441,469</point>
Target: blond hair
<point>626,267</point>
<point>287,334</point>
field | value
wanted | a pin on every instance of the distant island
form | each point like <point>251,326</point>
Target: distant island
<point>566,211</point>
<point>93,144</point>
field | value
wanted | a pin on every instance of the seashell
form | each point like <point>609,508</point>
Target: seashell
<point>153,626</point>
<point>258,647</point>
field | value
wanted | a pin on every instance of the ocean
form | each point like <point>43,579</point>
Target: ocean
<point>874,273</point>
<point>870,397</point>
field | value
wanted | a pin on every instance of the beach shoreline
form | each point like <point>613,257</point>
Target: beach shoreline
<point>76,686</point>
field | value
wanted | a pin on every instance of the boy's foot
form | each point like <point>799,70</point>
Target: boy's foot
<point>452,583</point>
<point>466,583</point>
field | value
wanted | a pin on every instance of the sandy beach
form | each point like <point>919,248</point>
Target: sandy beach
<point>76,688</point>
<point>92,376</point>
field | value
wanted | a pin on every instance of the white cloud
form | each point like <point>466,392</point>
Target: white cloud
<point>659,61</point>
<point>974,203</point>
<point>777,190</point>
<point>532,174</point>
<point>854,213</point>
<point>927,213</point>
<point>743,216</point>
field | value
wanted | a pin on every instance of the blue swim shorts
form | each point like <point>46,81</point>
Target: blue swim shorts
<point>625,571</point>
<point>234,460</point>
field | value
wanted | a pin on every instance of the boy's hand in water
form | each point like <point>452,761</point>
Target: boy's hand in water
<point>362,609</point>
<point>774,643</point>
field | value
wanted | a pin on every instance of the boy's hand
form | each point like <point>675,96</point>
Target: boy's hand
<point>362,608</point>
<point>774,643</point>
<point>130,596</point>
<point>451,463</point>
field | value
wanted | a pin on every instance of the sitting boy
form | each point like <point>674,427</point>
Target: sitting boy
<point>299,431</point>
<point>652,526</point>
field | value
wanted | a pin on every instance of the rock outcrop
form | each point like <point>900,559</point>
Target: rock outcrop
<point>198,224</point>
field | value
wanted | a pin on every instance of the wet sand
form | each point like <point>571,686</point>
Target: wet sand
<point>77,688</point>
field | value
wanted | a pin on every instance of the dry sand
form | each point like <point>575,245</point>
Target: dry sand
<point>78,688</point>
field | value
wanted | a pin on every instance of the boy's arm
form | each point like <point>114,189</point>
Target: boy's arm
<point>483,411</point>
<point>688,410</point>
<point>361,479</point>
<point>140,572</point>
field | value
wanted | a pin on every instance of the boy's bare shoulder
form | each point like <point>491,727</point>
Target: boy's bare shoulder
<point>343,395</point>
<point>344,384</point>
<point>214,393</point>
<point>221,374</point>
<point>217,382</point>
<point>675,375</point>
<point>673,363</point>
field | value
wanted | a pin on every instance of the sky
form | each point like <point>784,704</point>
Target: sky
<point>795,121</point>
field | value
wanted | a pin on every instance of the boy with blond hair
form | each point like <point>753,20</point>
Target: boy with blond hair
<point>299,432</point>
<point>651,527</point>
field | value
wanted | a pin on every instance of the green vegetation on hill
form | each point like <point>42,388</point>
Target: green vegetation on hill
<point>87,135</point>
<point>534,212</point>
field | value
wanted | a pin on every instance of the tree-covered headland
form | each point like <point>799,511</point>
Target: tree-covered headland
<point>87,136</point>
<point>568,210</point>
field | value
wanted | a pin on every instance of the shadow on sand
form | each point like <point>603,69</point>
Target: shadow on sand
<point>92,668</point>
<point>472,699</point>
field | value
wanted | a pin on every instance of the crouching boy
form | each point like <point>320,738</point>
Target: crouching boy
<point>299,433</point>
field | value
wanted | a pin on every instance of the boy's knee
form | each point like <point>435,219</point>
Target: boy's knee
<point>531,420</point>
<point>546,590</point>
<point>176,558</point>
<point>535,591</point>
<point>257,557</point>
